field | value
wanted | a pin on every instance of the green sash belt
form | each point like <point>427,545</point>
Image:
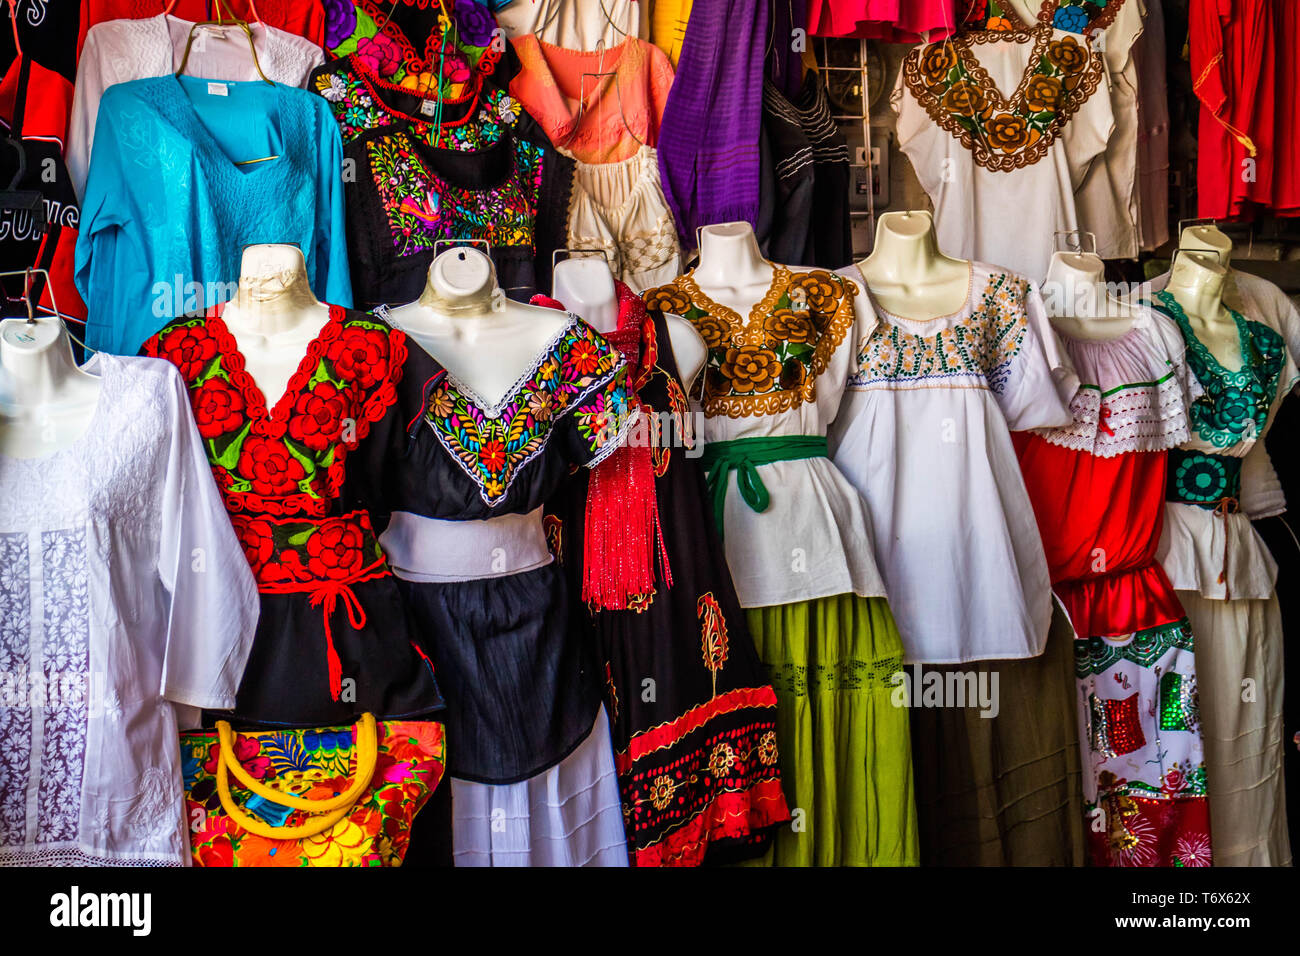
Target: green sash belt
<point>743,456</point>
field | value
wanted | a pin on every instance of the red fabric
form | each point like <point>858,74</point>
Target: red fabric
<point>895,21</point>
<point>1286,173</point>
<point>49,102</point>
<point>66,296</point>
<point>304,18</point>
<point>728,816</point>
<point>1232,46</point>
<point>1100,519</point>
<point>1155,832</point>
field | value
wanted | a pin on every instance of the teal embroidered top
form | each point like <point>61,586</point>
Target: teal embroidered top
<point>1235,405</point>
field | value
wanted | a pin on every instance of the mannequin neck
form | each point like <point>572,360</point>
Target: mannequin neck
<point>730,258</point>
<point>1199,291</point>
<point>901,257</point>
<point>906,273</point>
<point>274,296</point>
<point>38,372</point>
<point>586,287</point>
<point>1075,286</point>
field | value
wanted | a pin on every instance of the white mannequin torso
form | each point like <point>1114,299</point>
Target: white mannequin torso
<point>586,287</point>
<point>908,275</point>
<point>274,316</point>
<point>1196,282</point>
<point>732,271</point>
<point>484,340</point>
<point>46,401</point>
<point>1076,299</point>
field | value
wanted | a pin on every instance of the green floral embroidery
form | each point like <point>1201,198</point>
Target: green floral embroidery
<point>1235,405</point>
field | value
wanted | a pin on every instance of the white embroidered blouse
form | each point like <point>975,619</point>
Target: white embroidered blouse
<point>925,436</point>
<point>126,603</point>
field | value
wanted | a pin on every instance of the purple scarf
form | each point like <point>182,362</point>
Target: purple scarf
<point>708,141</point>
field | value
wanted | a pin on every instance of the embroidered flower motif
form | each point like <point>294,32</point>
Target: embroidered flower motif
<point>1070,19</point>
<point>332,87</point>
<point>1044,93</point>
<point>668,299</point>
<point>793,373</point>
<point>379,54</point>
<point>255,536</point>
<point>1193,850</point>
<point>317,419</point>
<point>218,408</point>
<point>492,455</point>
<point>937,60</point>
<point>340,21</point>
<point>334,552</point>
<point>508,110</point>
<point>819,288</point>
<point>1068,56</point>
<point>475,24</point>
<point>999,23</point>
<point>750,369</point>
<point>268,467</point>
<point>767,749</point>
<point>721,760</point>
<point>346,844</point>
<point>584,356</point>
<point>248,754</point>
<point>966,99</point>
<point>190,348</point>
<point>1008,132</point>
<point>455,68</point>
<point>786,325</point>
<point>661,791</point>
<point>360,354</point>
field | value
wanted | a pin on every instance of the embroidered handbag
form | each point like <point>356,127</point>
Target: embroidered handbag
<point>337,796</point>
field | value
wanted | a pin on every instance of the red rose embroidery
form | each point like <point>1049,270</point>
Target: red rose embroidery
<point>218,408</point>
<point>360,354</point>
<point>289,568</point>
<point>255,536</point>
<point>334,552</point>
<point>189,349</point>
<point>269,467</point>
<point>317,419</point>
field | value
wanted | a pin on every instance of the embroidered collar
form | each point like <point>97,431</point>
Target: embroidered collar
<point>1235,405</point>
<point>493,442</point>
<point>769,363</point>
<point>1004,134</point>
<point>423,206</point>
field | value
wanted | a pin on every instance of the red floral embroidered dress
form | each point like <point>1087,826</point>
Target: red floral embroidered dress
<point>332,641</point>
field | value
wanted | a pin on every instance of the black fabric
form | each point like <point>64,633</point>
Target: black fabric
<point>383,274</point>
<point>1277,534</point>
<point>832,230</point>
<point>522,689</point>
<point>787,178</point>
<point>661,641</point>
<point>383,673</point>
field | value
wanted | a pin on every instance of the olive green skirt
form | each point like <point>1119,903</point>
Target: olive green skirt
<point>845,748</point>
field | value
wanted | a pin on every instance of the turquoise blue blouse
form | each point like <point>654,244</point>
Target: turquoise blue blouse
<point>168,208</point>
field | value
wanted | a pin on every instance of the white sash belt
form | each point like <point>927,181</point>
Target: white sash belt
<point>432,549</point>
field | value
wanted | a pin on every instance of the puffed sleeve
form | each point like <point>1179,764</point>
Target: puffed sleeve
<point>1029,372</point>
<point>213,598</point>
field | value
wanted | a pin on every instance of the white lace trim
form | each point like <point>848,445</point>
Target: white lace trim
<point>1135,418</point>
<point>75,856</point>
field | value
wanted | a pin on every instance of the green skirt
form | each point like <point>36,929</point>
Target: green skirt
<point>845,749</point>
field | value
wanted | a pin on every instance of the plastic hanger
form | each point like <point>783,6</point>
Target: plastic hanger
<point>27,275</point>
<point>224,19</point>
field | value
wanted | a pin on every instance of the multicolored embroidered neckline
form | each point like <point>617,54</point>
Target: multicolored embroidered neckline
<point>422,207</point>
<point>578,373</point>
<point>1003,134</point>
<point>769,363</point>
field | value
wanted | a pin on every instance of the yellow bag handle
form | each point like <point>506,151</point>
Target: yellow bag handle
<point>334,808</point>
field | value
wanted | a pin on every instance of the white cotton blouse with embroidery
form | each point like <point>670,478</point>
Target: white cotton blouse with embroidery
<point>1005,217</point>
<point>126,605</point>
<point>117,51</point>
<point>814,538</point>
<point>925,435</point>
